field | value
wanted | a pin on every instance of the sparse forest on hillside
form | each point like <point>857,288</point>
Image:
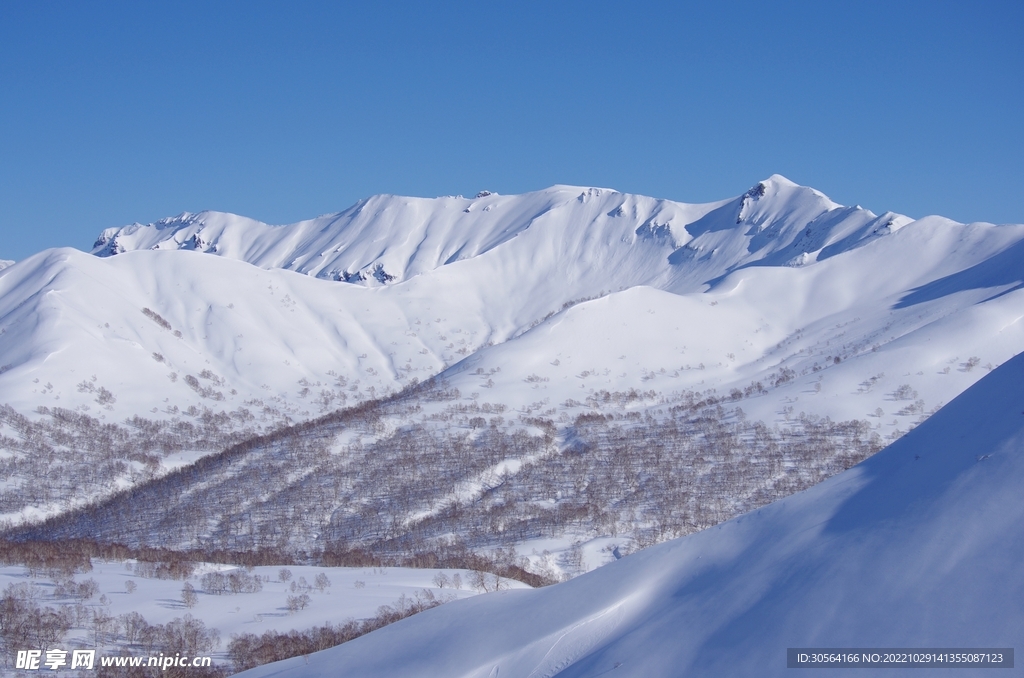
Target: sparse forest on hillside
<point>430,471</point>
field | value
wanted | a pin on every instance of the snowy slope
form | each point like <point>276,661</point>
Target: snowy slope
<point>852,328</point>
<point>919,546</point>
<point>69,318</point>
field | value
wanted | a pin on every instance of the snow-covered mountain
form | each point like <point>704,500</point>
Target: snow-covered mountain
<point>387,239</point>
<point>919,546</point>
<point>714,295</point>
<point>552,304</point>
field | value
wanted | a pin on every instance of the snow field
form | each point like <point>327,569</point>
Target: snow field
<point>353,594</point>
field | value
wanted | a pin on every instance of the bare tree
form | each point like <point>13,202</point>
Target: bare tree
<point>189,596</point>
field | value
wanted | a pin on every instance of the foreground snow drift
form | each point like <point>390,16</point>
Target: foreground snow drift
<point>918,546</point>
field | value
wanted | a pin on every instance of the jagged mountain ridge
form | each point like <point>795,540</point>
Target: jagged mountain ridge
<point>386,239</point>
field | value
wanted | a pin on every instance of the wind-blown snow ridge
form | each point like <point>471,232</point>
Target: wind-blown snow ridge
<point>387,239</point>
<point>919,546</point>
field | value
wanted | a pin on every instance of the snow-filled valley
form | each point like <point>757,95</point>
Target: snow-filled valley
<point>537,384</point>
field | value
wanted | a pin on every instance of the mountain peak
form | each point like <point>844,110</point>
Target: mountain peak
<point>780,180</point>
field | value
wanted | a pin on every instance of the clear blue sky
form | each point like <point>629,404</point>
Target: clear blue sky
<point>118,112</point>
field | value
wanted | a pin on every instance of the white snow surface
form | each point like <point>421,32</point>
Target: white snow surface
<point>919,546</point>
<point>353,594</point>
